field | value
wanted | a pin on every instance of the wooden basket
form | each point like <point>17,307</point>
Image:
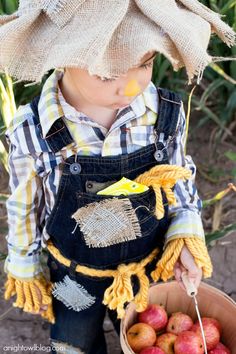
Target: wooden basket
<point>211,302</point>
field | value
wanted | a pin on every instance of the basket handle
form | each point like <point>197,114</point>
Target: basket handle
<point>189,286</point>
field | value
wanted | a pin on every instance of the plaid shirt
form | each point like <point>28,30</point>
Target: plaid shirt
<point>35,174</point>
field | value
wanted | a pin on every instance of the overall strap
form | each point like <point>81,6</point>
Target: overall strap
<point>168,113</point>
<point>58,135</point>
<point>166,124</point>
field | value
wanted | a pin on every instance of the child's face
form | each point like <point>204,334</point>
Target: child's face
<point>109,93</point>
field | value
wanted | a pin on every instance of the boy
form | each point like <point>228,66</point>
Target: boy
<point>95,122</point>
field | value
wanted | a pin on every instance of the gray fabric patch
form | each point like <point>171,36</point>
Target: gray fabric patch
<point>73,295</point>
<point>108,222</point>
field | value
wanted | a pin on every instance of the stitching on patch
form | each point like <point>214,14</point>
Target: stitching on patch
<point>108,222</point>
<point>73,295</point>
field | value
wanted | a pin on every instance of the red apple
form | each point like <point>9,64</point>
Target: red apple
<point>215,322</point>
<point>179,322</point>
<point>220,349</point>
<point>212,334</point>
<point>189,342</point>
<point>152,350</point>
<point>154,315</point>
<point>140,336</point>
<point>166,342</point>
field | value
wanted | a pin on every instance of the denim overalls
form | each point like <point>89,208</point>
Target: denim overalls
<point>80,179</point>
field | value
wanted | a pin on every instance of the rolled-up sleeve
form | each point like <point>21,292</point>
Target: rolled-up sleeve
<point>25,208</point>
<point>185,216</point>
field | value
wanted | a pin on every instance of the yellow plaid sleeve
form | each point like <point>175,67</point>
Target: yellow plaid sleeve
<point>25,210</point>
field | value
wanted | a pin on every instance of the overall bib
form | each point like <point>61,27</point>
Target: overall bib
<point>82,176</point>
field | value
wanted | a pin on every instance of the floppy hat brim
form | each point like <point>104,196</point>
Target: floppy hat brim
<point>35,39</point>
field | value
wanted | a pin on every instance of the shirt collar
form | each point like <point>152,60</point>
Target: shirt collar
<point>50,108</point>
<point>49,105</point>
<point>148,99</point>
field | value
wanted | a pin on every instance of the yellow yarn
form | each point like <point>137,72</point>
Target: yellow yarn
<point>163,177</point>
<point>26,295</point>
<point>198,249</point>
<point>121,290</point>
<point>159,177</point>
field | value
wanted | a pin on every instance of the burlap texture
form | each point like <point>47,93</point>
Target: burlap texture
<point>107,37</point>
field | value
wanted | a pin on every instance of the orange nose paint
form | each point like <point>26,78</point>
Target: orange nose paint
<point>132,88</point>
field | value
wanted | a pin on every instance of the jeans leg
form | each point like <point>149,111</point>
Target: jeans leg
<point>115,321</point>
<point>82,330</point>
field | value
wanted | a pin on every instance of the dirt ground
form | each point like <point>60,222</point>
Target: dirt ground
<point>214,173</point>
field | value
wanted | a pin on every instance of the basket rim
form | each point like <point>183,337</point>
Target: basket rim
<point>203,285</point>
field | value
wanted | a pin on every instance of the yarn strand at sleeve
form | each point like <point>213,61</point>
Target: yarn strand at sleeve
<point>197,247</point>
<point>26,296</point>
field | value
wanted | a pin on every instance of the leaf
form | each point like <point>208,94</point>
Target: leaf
<point>221,72</point>
<point>3,197</point>
<point>227,6</point>
<point>213,116</point>
<point>210,89</point>
<point>3,156</point>
<point>217,216</point>
<point>231,103</point>
<point>220,195</point>
<point>233,172</point>
<point>216,235</point>
<point>3,256</point>
<point>10,6</point>
<point>231,155</point>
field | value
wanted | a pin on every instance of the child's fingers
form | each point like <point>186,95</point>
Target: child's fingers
<point>177,273</point>
<point>188,263</point>
<point>42,307</point>
<point>195,276</point>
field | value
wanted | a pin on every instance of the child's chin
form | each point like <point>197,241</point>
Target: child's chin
<point>120,105</point>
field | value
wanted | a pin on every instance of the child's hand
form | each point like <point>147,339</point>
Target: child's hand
<point>187,264</point>
<point>42,307</point>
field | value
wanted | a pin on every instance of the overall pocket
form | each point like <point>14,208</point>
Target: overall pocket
<point>106,220</point>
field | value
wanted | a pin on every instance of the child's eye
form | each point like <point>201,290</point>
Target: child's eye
<point>146,66</point>
<point>105,79</point>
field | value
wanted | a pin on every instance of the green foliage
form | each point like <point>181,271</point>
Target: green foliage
<point>231,155</point>
<point>216,95</point>
<point>8,6</point>
<point>216,235</point>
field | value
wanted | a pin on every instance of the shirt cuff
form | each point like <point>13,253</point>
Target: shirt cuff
<point>185,224</point>
<point>22,267</point>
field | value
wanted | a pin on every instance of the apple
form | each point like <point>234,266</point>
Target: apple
<point>189,342</point>
<point>166,342</point>
<point>154,315</point>
<point>220,349</point>
<point>212,334</point>
<point>152,350</point>
<point>215,322</point>
<point>179,322</point>
<point>140,336</point>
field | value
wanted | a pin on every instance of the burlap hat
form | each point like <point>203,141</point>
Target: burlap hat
<point>107,37</point>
